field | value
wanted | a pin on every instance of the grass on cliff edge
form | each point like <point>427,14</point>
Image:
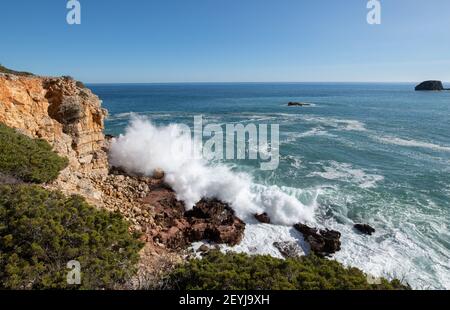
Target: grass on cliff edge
<point>232,271</point>
<point>41,231</point>
<point>31,160</point>
<point>9,71</point>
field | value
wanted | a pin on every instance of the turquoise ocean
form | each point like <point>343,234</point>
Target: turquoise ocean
<point>360,153</point>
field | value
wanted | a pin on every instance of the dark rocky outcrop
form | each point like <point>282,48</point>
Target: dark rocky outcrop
<point>364,228</point>
<point>289,249</point>
<point>214,220</point>
<point>210,219</point>
<point>263,218</point>
<point>430,85</point>
<point>298,104</point>
<point>323,242</point>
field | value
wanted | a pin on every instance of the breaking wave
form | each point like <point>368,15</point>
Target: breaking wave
<point>145,147</point>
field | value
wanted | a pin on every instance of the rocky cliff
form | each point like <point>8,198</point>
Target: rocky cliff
<point>67,115</point>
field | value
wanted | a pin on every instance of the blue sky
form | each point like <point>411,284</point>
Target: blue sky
<point>228,40</point>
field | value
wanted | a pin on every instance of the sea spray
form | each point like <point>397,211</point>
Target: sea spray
<point>145,147</point>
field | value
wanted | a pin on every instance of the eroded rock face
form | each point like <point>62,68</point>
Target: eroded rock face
<point>68,116</point>
<point>323,242</point>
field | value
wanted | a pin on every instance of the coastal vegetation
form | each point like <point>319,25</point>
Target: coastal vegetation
<point>41,231</point>
<point>9,71</point>
<point>30,160</point>
<point>233,271</point>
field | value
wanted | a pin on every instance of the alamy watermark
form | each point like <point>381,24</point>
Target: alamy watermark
<point>74,274</point>
<point>374,14</point>
<point>234,141</point>
<point>74,14</point>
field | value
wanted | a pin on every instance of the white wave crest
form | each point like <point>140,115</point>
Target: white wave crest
<point>340,124</point>
<point>413,143</point>
<point>345,172</point>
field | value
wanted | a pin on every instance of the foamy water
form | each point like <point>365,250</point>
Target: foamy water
<point>376,154</point>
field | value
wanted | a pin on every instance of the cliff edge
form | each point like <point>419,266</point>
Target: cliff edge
<point>67,115</point>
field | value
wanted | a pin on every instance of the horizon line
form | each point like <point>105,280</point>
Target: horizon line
<point>261,82</point>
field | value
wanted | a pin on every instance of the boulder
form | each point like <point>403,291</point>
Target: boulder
<point>210,219</point>
<point>364,228</point>
<point>298,104</point>
<point>214,220</point>
<point>158,174</point>
<point>323,242</point>
<point>289,249</point>
<point>430,85</point>
<point>263,218</point>
<point>203,248</point>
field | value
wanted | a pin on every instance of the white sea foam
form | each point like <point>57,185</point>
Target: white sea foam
<point>145,147</point>
<point>316,131</point>
<point>345,172</point>
<point>413,143</point>
<point>294,161</point>
<point>393,253</point>
<point>340,124</point>
<point>259,239</point>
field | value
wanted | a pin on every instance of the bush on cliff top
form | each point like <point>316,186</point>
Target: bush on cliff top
<point>41,231</point>
<point>31,160</point>
<point>234,271</point>
<point>9,71</point>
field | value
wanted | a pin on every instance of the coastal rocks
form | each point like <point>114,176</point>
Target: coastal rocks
<point>365,229</point>
<point>430,86</point>
<point>289,249</point>
<point>263,218</point>
<point>210,219</point>
<point>323,242</point>
<point>298,104</point>
<point>214,220</point>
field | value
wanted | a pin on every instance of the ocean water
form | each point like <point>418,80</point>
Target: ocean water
<point>371,153</point>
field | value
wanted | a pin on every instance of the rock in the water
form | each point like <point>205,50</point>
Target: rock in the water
<point>298,104</point>
<point>289,249</point>
<point>323,242</point>
<point>263,218</point>
<point>365,229</point>
<point>430,85</point>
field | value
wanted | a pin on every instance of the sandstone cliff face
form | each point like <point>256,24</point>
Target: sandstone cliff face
<point>68,116</point>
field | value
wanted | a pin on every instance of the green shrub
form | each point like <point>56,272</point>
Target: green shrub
<point>234,271</point>
<point>31,160</point>
<point>41,231</point>
<point>6,70</point>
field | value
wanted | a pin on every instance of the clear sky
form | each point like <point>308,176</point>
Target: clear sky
<point>228,40</point>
